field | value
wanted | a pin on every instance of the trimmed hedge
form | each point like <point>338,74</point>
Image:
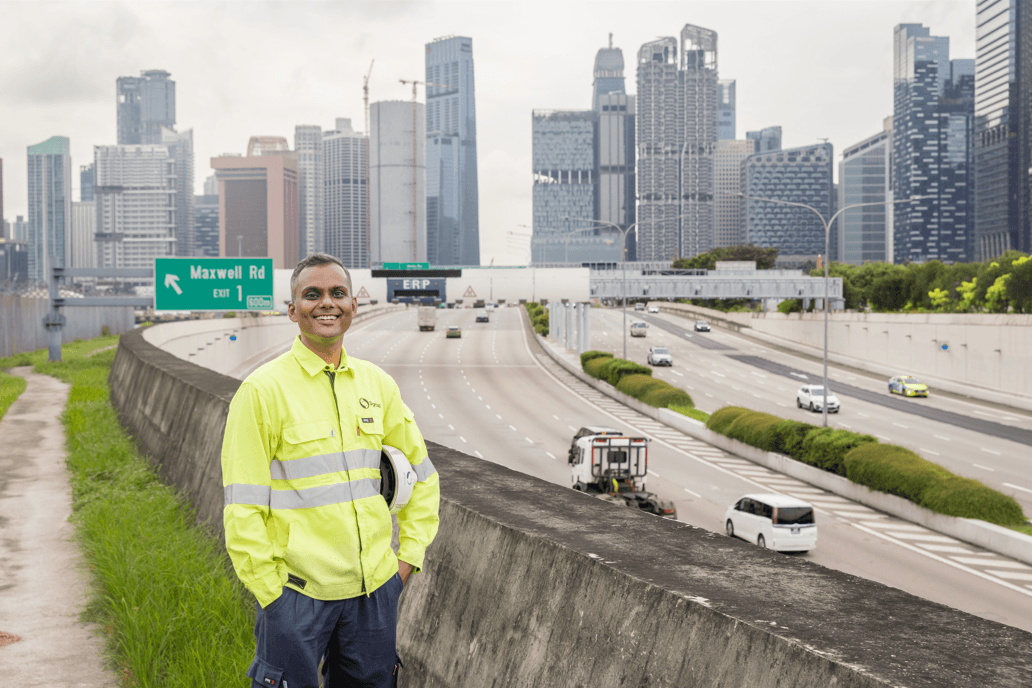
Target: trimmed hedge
<point>595,366</point>
<point>618,368</point>
<point>667,396</point>
<point>881,467</point>
<point>638,385</point>
<point>591,355</point>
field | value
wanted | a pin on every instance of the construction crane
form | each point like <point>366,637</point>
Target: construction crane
<point>365,105</point>
<point>415,172</point>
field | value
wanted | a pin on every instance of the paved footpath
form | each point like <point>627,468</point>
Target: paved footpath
<point>42,581</point>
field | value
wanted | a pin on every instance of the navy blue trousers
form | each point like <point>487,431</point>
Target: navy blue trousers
<point>357,637</point>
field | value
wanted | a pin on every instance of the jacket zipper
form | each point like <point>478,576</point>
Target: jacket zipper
<point>333,391</point>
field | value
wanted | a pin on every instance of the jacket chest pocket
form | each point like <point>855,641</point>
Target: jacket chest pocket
<point>300,438</point>
<point>370,425</point>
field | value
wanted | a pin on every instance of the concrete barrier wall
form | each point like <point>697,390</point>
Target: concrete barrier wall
<point>987,355</point>
<point>21,323</point>
<point>533,584</point>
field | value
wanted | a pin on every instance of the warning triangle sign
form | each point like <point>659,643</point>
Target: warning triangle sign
<point>469,292</point>
<point>363,294</point>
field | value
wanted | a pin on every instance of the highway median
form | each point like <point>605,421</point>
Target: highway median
<point>636,381</point>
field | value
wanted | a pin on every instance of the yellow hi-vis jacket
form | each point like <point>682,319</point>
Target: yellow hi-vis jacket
<point>301,472</point>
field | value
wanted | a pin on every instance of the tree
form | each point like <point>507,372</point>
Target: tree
<point>764,257</point>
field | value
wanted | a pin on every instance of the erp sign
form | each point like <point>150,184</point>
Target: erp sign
<point>415,288</point>
<point>212,284</point>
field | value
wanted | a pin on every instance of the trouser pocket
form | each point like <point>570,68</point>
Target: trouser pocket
<point>397,671</point>
<point>264,675</point>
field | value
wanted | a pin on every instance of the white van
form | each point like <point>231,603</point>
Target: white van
<point>785,524</point>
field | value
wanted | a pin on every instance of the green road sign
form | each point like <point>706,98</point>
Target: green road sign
<point>213,284</point>
<point>406,266</point>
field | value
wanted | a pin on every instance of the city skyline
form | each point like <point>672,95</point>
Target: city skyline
<point>818,69</point>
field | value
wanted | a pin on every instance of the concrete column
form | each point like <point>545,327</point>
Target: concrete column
<point>570,325</point>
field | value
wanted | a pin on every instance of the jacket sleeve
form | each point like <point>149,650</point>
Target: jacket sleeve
<point>246,454</point>
<point>418,520</point>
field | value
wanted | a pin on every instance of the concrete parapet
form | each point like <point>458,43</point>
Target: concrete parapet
<point>533,584</point>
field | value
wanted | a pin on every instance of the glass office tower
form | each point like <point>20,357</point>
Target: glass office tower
<point>50,206</point>
<point>1003,127</point>
<point>865,234</point>
<point>145,104</point>
<point>452,195</point>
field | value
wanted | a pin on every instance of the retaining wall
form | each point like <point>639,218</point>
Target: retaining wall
<point>21,323</point>
<point>532,584</point>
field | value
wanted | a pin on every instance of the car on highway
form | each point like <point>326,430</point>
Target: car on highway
<point>454,332</point>
<point>638,329</point>
<point>812,397</point>
<point>659,356</point>
<point>702,326</point>
<point>775,521</point>
<point>483,317</point>
<point>639,306</point>
<point>908,386</point>
<point>653,309</point>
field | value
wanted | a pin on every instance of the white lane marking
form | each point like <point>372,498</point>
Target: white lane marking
<point>690,387</point>
<point>758,375</point>
<point>900,425</point>
<point>929,451</point>
<point>571,428</point>
<point>450,426</point>
<point>692,493</point>
<point>949,549</point>
<point>462,438</point>
<point>433,406</point>
<point>677,373</point>
<point>513,428</point>
<point>550,455</point>
<point>1003,564</point>
<point>863,415</point>
<point>480,398</point>
<point>529,440</point>
<point>716,373</point>
<point>488,406</point>
<point>555,416</point>
<point>990,451</point>
<point>984,468</point>
<point>883,437</point>
<point>1012,575</point>
<point>843,425</point>
<point>940,437</point>
<point>894,525</point>
<point>478,454</point>
<point>782,405</point>
<point>441,416</point>
<point>799,375</point>
<point>652,472</point>
<point>927,537</point>
<point>1016,487</point>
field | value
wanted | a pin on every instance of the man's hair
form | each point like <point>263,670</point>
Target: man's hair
<point>313,261</point>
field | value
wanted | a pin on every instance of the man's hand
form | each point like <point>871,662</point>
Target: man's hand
<point>404,570</point>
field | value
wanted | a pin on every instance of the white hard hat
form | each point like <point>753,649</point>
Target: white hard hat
<point>396,478</point>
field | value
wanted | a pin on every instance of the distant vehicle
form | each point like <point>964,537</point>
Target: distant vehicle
<point>482,316</point>
<point>427,318</point>
<point>908,386</point>
<point>702,326</point>
<point>653,309</point>
<point>454,332</point>
<point>614,468</point>
<point>782,523</point>
<point>660,355</point>
<point>812,397</point>
<point>639,306</point>
<point>638,329</point>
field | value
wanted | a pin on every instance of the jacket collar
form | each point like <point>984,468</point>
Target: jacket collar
<point>312,364</point>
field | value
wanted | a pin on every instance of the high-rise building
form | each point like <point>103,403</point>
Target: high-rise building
<point>765,140</point>
<point>14,261</point>
<point>797,175</point>
<point>86,182</point>
<point>865,176</point>
<point>616,178</point>
<point>180,149</point>
<point>206,224</point>
<point>211,184</point>
<point>728,228</point>
<point>84,230</point>
<point>1003,127</point>
<point>677,142</point>
<point>309,148</point>
<point>258,202</point>
<point>135,197</point>
<point>397,183</point>
<point>50,206</point>
<point>3,222</point>
<point>726,122</point>
<point>18,229</point>
<point>452,195</point>
<point>933,152</point>
<point>345,209</point>
<point>608,74</point>
<point>145,104</point>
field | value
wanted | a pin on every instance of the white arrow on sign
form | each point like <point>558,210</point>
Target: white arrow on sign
<point>173,281</point>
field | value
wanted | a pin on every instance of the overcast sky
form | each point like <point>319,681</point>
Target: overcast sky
<point>818,68</point>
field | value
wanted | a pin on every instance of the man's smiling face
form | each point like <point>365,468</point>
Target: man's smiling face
<point>323,305</point>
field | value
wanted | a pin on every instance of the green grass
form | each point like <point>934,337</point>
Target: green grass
<point>691,412</point>
<point>11,387</point>
<point>173,612</point>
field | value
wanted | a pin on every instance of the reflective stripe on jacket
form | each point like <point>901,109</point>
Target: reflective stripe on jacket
<point>301,472</point>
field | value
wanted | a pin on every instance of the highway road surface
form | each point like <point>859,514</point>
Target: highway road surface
<point>494,394</point>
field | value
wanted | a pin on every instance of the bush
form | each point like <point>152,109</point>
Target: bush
<point>787,437</point>
<point>826,448</point>
<point>596,366</point>
<point>639,385</point>
<point>105,331</point>
<point>967,498</point>
<point>790,306</point>
<point>894,470</point>
<point>667,396</point>
<point>753,428</point>
<point>618,368</point>
<point>722,418</point>
<point>591,355</point>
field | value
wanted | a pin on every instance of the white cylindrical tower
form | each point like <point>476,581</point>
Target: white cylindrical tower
<point>397,182</point>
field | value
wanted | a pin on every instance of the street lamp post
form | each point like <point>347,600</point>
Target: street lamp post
<point>827,263</point>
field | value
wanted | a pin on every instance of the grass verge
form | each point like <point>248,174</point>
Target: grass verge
<point>173,612</point>
<point>11,387</point>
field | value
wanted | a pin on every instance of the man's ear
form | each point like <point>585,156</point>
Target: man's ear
<point>291,312</point>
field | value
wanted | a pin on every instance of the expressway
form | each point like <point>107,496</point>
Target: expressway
<point>495,395</point>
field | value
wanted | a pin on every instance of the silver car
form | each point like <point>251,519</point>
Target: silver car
<point>660,355</point>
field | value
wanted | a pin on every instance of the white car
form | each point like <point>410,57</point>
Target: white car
<point>653,309</point>
<point>638,329</point>
<point>702,326</point>
<point>812,397</point>
<point>781,523</point>
<point>660,355</point>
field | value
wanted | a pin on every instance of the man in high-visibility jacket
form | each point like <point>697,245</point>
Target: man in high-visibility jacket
<point>306,528</point>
